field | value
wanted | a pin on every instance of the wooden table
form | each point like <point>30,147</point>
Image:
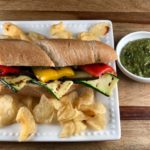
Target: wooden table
<point>127,16</point>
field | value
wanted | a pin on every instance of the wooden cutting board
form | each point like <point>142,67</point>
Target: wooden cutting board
<point>127,16</point>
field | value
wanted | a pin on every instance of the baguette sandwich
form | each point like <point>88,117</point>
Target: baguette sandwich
<point>55,67</point>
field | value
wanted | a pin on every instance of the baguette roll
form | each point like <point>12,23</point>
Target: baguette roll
<point>51,53</point>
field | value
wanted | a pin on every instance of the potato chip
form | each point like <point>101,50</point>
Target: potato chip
<point>99,30</point>
<point>97,122</point>
<point>28,125</point>
<point>56,104</point>
<point>93,109</point>
<point>71,128</point>
<point>79,127</point>
<point>80,116</point>
<point>68,129</point>
<point>88,110</point>
<point>55,28</point>
<point>23,37</point>
<point>9,106</point>
<point>87,36</point>
<point>100,108</point>
<point>44,111</point>
<point>63,35</point>
<point>58,31</point>
<point>71,97</point>
<point>33,36</point>
<point>14,31</point>
<point>86,97</point>
<point>66,113</point>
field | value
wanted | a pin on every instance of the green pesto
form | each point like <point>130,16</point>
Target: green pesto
<point>135,57</point>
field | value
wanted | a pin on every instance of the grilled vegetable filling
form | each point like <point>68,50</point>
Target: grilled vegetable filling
<point>58,81</point>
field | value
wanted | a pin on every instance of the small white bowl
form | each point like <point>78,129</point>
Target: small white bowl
<point>131,37</point>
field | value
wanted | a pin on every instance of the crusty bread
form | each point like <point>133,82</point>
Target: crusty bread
<point>54,52</point>
<point>33,90</point>
<point>76,52</point>
<point>22,53</point>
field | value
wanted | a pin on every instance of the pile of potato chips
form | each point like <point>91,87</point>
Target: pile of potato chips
<point>12,31</point>
<point>75,112</point>
<point>95,32</point>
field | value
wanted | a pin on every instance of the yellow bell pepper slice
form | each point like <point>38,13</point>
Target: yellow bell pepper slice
<point>65,72</point>
<point>46,75</point>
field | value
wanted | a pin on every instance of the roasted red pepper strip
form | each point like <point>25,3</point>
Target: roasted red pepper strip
<point>97,70</point>
<point>4,70</point>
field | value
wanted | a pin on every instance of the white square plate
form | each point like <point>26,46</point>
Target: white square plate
<point>51,132</point>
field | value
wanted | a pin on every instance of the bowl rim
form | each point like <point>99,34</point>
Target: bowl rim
<point>121,67</point>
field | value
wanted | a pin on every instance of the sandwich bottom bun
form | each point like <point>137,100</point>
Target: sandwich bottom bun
<point>33,90</point>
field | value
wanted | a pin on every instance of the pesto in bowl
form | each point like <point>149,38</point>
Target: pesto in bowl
<point>135,57</point>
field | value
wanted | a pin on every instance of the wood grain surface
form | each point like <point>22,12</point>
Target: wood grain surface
<point>77,5</point>
<point>135,112</point>
<point>127,16</point>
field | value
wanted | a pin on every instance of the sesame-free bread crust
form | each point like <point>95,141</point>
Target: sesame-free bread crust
<point>54,52</point>
<point>76,52</point>
<point>22,53</point>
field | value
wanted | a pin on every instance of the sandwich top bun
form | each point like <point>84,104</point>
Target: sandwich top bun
<point>22,53</point>
<point>54,52</point>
